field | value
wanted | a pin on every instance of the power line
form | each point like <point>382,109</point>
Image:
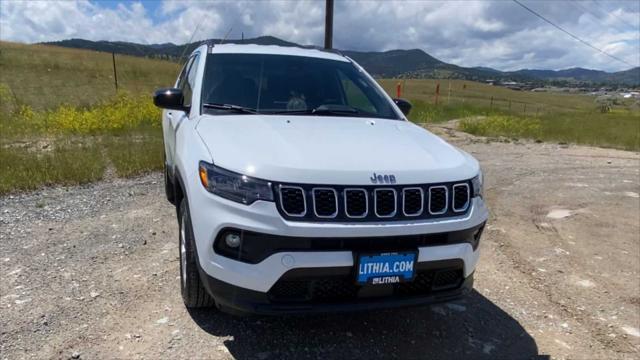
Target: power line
<point>607,12</point>
<point>584,9</point>
<point>570,34</point>
<point>576,4</point>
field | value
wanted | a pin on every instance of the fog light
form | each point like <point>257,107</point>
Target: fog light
<point>232,240</point>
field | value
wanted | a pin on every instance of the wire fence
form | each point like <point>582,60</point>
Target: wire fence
<point>83,80</point>
<point>50,96</point>
<point>103,88</point>
<point>472,94</point>
<point>20,88</point>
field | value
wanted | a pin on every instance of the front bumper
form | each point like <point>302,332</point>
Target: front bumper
<point>210,214</point>
<point>237,300</point>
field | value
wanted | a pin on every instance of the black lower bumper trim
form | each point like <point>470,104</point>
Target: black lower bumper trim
<point>258,246</point>
<point>239,300</point>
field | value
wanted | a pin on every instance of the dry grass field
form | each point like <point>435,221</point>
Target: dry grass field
<point>44,77</point>
<point>544,116</point>
<point>456,92</point>
<point>62,121</point>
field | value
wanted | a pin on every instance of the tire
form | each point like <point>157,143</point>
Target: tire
<point>194,294</point>
<point>168,186</point>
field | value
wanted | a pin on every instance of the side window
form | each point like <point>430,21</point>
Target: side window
<point>354,95</point>
<point>190,81</point>
<point>183,74</point>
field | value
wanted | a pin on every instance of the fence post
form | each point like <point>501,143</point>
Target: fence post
<point>115,71</point>
<point>491,104</point>
<point>464,87</point>
<point>525,109</point>
<point>437,92</point>
<point>449,94</point>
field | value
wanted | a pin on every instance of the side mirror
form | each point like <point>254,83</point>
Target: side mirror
<point>404,105</point>
<point>169,98</point>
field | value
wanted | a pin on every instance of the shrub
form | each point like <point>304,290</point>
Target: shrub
<point>121,114</point>
<point>424,112</point>
<point>617,129</point>
<point>501,125</point>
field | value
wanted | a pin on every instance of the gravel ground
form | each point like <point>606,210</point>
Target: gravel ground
<point>92,272</point>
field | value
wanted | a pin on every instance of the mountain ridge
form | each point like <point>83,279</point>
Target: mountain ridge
<point>409,63</point>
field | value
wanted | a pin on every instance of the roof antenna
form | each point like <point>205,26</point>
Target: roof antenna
<point>225,36</point>
<point>186,46</point>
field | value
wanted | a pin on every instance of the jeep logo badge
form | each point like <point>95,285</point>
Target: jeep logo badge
<point>383,179</point>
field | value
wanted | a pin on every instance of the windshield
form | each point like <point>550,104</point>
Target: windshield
<point>283,84</point>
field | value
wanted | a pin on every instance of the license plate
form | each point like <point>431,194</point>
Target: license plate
<point>387,268</point>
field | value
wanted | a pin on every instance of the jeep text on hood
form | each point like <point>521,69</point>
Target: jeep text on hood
<point>328,150</point>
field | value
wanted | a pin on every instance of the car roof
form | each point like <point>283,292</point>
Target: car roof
<point>275,50</point>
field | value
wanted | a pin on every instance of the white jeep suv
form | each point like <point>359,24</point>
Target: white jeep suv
<point>300,186</point>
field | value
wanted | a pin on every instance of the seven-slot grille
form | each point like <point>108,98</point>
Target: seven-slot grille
<point>303,202</point>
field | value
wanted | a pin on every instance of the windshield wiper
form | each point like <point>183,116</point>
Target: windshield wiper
<point>230,107</point>
<point>323,109</point>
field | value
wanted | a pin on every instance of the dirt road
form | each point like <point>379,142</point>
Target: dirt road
<point>92,272</point>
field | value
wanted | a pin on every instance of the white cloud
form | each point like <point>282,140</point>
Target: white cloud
<point>468,33</point>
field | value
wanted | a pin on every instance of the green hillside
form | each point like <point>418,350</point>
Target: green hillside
<point>408,64</point>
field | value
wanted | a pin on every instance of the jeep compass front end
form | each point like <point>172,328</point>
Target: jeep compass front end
<point>301,187</point>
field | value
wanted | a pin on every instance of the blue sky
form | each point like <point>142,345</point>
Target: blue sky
<point>499,34</point>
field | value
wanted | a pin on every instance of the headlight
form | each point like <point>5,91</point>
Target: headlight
<point>233,186</point>
<point>477,183</point>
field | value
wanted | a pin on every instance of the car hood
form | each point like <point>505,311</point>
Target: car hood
<point>331,150</point>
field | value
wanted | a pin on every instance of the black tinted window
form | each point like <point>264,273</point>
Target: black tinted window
<point>189,82</point>
<point>183,74</point>
<point>280,83</point>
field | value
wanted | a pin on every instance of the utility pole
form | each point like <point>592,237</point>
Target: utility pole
<point>328,25</point>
